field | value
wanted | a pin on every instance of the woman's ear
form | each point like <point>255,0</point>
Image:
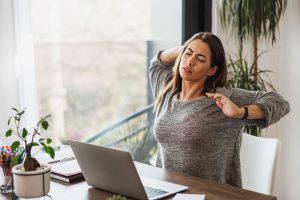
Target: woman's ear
<point>212,71</point>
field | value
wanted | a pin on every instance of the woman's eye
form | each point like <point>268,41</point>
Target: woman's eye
<point>200,59</point>
<point>187,53</point>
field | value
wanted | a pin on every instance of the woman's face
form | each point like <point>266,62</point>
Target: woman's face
<point>195,62</point>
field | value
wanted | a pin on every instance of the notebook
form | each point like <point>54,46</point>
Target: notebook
<point>67,179</point>
<point>64,166</point>
<point>113,170</point>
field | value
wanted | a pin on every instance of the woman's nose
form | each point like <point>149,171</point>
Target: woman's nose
<point>191,60</point>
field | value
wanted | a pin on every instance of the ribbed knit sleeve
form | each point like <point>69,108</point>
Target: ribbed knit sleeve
<point>160,75</point>
<point>274,105</point>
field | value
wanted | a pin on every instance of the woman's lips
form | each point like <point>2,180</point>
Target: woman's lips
<point>187,69</point>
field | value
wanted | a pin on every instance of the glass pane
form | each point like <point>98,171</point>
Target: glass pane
<point>91,62</point>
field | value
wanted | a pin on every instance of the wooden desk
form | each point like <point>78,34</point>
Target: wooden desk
<point>213,191</point>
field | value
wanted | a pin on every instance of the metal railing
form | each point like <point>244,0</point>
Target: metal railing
<point>132,133</point>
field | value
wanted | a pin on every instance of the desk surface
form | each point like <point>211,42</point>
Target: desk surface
<point>213,191</point>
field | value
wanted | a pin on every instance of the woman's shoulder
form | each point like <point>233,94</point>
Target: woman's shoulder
<point>233,91</point>
<point>225,91</point>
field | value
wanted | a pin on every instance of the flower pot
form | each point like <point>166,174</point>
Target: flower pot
<point>31,184</point>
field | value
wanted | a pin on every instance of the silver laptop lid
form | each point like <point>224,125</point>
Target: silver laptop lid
<point>108,169</point>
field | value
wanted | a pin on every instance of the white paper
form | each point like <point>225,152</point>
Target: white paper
<point>189,197</point>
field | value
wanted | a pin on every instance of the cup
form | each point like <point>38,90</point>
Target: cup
<point>5,178</point>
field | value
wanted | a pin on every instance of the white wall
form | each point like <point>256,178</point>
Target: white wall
<point>17,70</point>
<point>283,60</point>
<point>8,80</point>
<point>166,20</point>
<point>288,178</point>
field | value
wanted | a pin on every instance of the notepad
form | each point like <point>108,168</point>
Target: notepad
<point>64,164</point>
<point>67,166</point>
<point>189,197</point>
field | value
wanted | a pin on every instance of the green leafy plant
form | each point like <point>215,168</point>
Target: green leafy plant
<point>253,21</point>
<point>241,74</point>
<point>30,163</point>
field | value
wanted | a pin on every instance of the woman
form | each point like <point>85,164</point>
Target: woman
<point>198,122</point>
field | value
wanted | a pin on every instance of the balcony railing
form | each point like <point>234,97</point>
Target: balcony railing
<point>133,133</point>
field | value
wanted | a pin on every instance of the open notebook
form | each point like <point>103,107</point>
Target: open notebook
<point>64,166</point>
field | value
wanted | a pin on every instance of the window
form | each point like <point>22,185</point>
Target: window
<point>91,63</point>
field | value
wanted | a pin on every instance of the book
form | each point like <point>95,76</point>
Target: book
<point>67,179</point>
<point>67,166</point>
<point>64,166</point>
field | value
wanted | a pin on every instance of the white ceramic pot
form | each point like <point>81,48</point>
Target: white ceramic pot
<point>31,184</point>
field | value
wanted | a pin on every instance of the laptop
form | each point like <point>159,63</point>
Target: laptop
<point>113,170</point>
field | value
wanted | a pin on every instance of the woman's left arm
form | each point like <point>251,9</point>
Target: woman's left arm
<point>266,106</point>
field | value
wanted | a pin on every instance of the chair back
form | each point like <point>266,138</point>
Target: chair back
<point>258,163</point>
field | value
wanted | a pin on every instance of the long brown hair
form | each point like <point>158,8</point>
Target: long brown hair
<point>217,59</point>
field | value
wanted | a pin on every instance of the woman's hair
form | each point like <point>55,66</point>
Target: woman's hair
<point>217,59</point>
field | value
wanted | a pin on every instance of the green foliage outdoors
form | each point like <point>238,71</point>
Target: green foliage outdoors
<point>28,138</point>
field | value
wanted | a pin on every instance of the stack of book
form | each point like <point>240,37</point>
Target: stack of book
<point>64,166</point>
<point>66,169</point>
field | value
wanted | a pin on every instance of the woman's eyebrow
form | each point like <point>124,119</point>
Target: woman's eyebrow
<point>199,54</point>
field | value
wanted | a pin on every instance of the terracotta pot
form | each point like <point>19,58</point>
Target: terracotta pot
<point>31,184</point>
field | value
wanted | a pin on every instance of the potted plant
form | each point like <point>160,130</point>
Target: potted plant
<point>251,21</point>
<point>31,179</point>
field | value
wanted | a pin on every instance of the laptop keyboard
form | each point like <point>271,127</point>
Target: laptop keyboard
<point>153,192</point>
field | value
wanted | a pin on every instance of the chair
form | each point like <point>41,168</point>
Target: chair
<point>258,163</point>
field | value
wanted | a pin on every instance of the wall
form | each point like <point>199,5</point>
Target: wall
<point>8,78</point>
<point>283,60</point>
<point>288,177</point>
<point>166,20</point>
<point>17,72</point>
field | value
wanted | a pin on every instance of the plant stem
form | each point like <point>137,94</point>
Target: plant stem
<point>17,124</point>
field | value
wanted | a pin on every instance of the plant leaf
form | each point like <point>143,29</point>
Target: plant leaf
<point>51,152</point>
<point>14,146</point>
<point>32,144</point>
<point>45,125</point>
<point>15,109</point>
<point>46,148</point>
<point>17,118</point>
<point>8,133</point>
<point>14,161</point>
<point>8,122</point>
<point>21,113</point>
<point>48,141</point>
<point>47,116</point>
<point>24,133</point>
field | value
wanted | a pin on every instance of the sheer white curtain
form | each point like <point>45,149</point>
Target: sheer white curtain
<point>17,70</point>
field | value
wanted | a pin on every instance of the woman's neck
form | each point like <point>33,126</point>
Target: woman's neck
<point>191,91</point>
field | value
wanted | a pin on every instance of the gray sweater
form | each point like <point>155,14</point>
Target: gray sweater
<point>196,138</point>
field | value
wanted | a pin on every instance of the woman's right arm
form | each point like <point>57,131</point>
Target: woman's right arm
<point>161,69</point>
<point>169,56</point>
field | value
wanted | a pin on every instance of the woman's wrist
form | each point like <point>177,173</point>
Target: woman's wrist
<point>250,112</point>
<point>240,114</point>
<point>246,113</point>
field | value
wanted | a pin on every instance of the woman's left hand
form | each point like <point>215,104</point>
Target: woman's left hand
<point>226,105</point>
